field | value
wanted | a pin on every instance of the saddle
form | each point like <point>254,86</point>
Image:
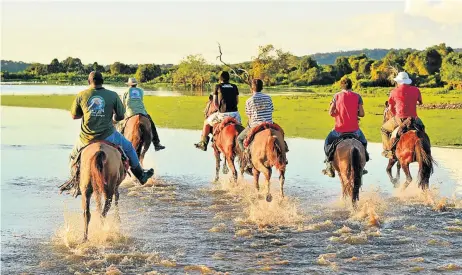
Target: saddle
<point>73,183</point>
<point>333,146</point>
<point>265,125</point>
<point>219,127</point>
<point>408,124</point>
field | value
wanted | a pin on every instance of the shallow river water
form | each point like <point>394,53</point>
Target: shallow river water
<point>183,223</point>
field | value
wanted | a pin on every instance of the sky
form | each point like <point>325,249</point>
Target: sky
<point>164,32</point>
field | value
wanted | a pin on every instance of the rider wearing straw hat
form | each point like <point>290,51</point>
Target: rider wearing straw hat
<point>133,101</point>
<point>403,103</point>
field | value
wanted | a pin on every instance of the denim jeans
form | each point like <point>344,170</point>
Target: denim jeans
<point>334,134</point>
<point>242,136</point>
<point>116,138</point>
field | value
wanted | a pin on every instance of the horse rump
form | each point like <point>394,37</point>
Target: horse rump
<point>97,164</point>
<point>274,153</point>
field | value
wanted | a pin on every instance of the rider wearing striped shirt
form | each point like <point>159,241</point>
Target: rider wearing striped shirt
<point>259,108</point>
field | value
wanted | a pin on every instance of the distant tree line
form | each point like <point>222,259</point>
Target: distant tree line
<point>434,66</point>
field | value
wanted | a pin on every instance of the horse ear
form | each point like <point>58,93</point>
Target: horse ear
<point>386,103</point>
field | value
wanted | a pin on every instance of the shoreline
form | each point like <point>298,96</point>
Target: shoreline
<point>455,147</point>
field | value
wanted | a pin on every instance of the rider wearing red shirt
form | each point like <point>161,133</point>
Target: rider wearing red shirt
<point>345,107</point>
<point>403,102</point>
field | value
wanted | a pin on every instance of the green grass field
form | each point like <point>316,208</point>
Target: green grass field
<point>301,115</point>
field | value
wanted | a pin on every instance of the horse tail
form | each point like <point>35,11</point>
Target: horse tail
<point>424,158</point>
<point>274,153</point>
<point>357,170</point>
<point>137,133</point>
<point>97,163</point>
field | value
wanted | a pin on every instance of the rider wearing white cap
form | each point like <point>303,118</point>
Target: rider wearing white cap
<point>403,103</point>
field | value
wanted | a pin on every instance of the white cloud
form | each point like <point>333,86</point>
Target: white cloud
<point>443,11</point>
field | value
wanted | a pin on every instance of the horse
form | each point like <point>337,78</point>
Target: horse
<point>412,146</point>
<point>101,172</point>
<point>225,142</point>
<point>267,150</point>
<point>138,132</point>
<point>349,161</point>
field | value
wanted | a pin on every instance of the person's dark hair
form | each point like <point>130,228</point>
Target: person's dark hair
<point>95,78</point>
<point>224,76</point>
<point>257,84</point>
<point>346,84</point>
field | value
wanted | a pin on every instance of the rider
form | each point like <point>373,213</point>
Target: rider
<point>259,108</point>
<point>345,107</point>
<point>225,100</point>
<point>403,103</point>
<point>133,102</point>
<point>97,106</point>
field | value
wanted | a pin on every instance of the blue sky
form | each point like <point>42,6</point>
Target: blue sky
<point>166,32</point>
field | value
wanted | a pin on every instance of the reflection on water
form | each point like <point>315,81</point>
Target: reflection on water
<point>182,223</point>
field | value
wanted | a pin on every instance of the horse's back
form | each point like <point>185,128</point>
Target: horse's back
<point>261,139</point>
<point>136,122</point>
<point>112,155</point>
<point>346,146</point>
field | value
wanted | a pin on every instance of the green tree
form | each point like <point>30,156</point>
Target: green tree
<point>147,72</point>
<point>451,68</point>
<point>37,69</point>
<point>193,71</point>
<point>72,65</point>
<point>55,67</point>
<point>343,66</point>
<point>306,63</point>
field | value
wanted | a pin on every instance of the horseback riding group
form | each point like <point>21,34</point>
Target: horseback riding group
<point>102,156</point>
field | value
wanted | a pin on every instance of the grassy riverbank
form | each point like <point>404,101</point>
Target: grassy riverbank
<point>304,115</point>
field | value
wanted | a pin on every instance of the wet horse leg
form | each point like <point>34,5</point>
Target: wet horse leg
<point>282,178</point>
<point>225,166</point>
<point>86,197</point>
<point>391,163</point>
<point>116,203</point>
<point>407,173</point>
<point>217,163</point>
<point>398,171</point>
<point>230,161</point>
<point>107,203</point>
<point>267,173</point>
<point>256,175</point>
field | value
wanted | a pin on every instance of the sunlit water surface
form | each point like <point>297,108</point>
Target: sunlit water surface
<point>183,223</point>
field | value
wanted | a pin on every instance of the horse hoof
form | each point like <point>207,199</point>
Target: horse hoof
<point>395,183</point>
<point>269,198</point>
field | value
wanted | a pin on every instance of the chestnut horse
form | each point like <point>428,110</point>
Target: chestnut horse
<point>413,146</point>
<point>268,150</point>
<point>349,162</point>
<point>138,132</point>
<point>225,142</point>
<point>101,172</point>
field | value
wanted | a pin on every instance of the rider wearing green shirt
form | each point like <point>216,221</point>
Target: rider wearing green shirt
<point>133,101</point>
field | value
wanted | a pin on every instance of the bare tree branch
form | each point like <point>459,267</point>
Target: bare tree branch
<point>246,78</point>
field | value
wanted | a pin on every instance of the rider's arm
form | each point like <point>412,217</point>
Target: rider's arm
<point>360,107</point>
<point>419,99</point>
<point>237,95</point>
<point>76,110</point>
<point>215,98</point>
<point>333,108</point>
<point>392,103</point>
<point>119,109</point>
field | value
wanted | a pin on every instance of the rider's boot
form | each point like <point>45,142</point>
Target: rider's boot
<point>72,184</point>
<point>329,171</point>
<point>202,145</point>
<point>142,175</point>
<point>158,146</point>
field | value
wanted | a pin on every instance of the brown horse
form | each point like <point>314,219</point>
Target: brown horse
<point>349,162</point>
<point>138,132</point>
<point>101,172</point>
<point>413,146</point>
<point>225,142</point>
<point>268,150</point>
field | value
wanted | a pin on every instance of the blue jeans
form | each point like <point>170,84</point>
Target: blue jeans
<point>334,134</point>
<point>116,138</point>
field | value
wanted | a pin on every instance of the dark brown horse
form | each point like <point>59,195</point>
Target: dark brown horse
<point>101,172</point>
<point>268,150</point>
<point>349,162</point>
<point>225,142</point>
<point>138,132</point>
<point>413,146</point>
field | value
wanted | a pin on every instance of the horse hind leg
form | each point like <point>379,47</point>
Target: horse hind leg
<point>231,165</point>
<point>225,166</point>
<point>394,181</point>
<point>86,197</point>
<point>217,164</point>
<point>407,172</point>
<point>256,176</point>
<point>267,173</point>
<point>282,179</point>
